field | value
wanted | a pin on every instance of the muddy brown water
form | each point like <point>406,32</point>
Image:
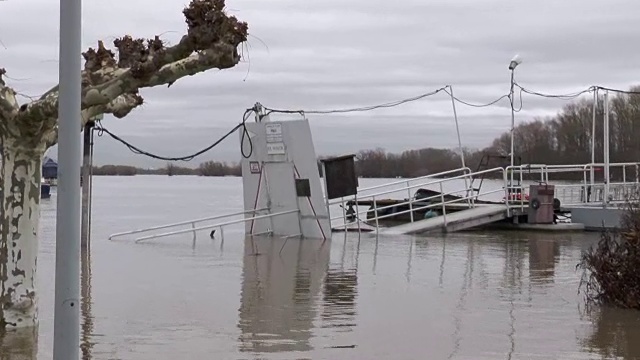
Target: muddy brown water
<point>476,295</point>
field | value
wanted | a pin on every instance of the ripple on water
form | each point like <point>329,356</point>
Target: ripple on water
<point>475,295</point>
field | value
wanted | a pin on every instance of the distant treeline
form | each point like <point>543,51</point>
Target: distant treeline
<point>209,168</point>
<point>561,139</point>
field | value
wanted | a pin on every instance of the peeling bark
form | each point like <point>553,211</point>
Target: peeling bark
<point>20,174</point>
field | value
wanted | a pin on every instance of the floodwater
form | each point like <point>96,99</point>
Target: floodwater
<point>509,295</point>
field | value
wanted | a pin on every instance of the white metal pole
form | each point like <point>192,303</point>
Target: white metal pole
<point>455,118</point>
<point>606,148</point>
<point>513,122</point>
<point>66,336</point>
<point>593,135</point>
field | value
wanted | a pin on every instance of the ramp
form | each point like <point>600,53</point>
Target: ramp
<point>460,220</point>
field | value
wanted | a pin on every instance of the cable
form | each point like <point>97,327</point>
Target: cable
<point>134,149</point>
<point>575,95</point>
<point>619,91</point>
<point>245,133</point>
<point>358,109</point>
<point>512,101</point>
<point>477,105</point>
<point>556,96</point>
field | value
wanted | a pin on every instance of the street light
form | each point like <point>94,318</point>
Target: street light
<point>512,66</point>
<point>515,62</point>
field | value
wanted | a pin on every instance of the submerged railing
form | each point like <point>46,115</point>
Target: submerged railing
<point>194,229</point>
<point>457,195</point>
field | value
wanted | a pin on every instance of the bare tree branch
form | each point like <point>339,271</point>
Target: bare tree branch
<point>210,43</point>
<point>119,108</point>
<point>8,101</point>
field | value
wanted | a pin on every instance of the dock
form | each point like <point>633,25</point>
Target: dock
<point>460,220</point>
<point>448,202</point>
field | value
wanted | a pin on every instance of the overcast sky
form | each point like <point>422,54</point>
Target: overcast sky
<point>326,54</point>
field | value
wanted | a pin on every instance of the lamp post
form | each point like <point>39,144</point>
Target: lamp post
<point>66,328</point>
<point>512,66</point>
<point>593,137</point>
<point>607,177</point>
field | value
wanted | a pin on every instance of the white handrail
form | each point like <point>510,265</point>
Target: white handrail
<point>186,222</point>
<point>422,203</point>
<point>466,169</point>
<point>411,204</point>
<point>435,182</point>
<point>220,225</point>
<point>436,205</point>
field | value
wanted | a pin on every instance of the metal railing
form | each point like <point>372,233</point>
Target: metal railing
<point>463,194</point>
<point>194,229</point>
<point>587,191</point>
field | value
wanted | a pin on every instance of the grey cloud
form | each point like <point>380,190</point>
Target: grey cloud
<point>331,137</point>
<point>348,53</point>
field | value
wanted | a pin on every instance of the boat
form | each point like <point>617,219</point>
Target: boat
<point>45,189</point>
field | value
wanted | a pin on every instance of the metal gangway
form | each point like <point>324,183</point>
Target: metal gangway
<point>454,206</point>
<point>476,207</point>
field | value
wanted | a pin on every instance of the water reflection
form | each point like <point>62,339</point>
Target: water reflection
<point>461,305</point>
<point>339,295</point>
<point>616,333</point>
<point>86,343</point>
<point>19,345</point>
<point>469,295</point>
<point>515,252</point>
<point>542,259</point>
<point>281,283</point>
<point>512,286</point>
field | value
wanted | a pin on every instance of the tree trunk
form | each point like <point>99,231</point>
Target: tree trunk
<point>20,176</point>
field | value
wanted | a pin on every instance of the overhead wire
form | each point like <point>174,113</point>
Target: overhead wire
<point>506,96</point>
<point>136,150</point>
<point>570,96</point>
<point>628,92</point>
<point>357,109</point>
<point>512,101</point>
<point>246,135</point>
<point>574,95</point>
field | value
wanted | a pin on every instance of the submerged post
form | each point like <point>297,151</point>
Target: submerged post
<point>87,183</point>
<point>66,337</point>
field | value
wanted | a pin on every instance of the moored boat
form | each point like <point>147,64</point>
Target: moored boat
<point>45,189</point>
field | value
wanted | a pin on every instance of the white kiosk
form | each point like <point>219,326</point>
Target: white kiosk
<point>281,179</point>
